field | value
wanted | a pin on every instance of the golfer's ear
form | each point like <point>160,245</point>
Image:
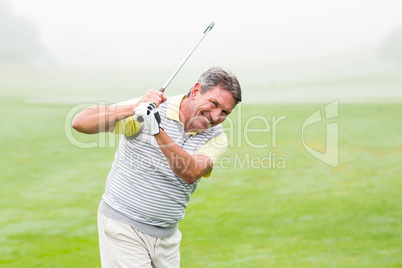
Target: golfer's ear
<point>196,90</point>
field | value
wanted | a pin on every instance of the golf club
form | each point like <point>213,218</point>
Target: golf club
<point>210,26</point>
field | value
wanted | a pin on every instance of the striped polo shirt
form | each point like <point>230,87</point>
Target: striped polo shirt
<point>141,189</point>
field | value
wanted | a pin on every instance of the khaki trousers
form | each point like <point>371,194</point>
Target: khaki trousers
<point>122,246</point>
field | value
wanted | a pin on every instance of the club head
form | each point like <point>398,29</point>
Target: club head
<point>210,26</point>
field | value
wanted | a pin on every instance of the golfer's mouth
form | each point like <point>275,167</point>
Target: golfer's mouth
<point>206,119</point>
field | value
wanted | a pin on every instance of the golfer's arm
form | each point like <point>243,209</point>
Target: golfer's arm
<point>101,118</point>
<point>187,167</point>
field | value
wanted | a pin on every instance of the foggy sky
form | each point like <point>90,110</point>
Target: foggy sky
<point>19,38</point>
<point>145,33</point>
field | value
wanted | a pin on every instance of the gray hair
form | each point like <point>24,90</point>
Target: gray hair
<point>216,76</point>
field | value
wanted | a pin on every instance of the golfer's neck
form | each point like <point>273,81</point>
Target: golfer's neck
<point>182,112</point>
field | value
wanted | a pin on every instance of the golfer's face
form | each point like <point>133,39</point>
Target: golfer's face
<point>211,108</point>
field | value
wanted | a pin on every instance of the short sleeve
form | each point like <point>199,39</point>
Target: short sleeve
<point>214,149</point>
<point>128,126</point>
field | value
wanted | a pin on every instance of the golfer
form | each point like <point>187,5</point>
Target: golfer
<point>157,166</point>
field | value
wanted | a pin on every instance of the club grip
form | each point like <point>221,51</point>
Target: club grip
<point>140,119</point>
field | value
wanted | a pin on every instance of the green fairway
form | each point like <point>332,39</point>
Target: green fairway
<point>300,213</point>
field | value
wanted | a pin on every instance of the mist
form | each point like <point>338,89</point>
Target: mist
<point>392,46</point>
<point>100,48</point>
<point>19,39</point>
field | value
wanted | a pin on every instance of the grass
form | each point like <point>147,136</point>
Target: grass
<point>302,214</point>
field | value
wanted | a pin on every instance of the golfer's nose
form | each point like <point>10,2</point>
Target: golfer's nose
<point>215,114</point>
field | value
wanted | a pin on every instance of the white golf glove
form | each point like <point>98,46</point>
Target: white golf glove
<point>152,120</point>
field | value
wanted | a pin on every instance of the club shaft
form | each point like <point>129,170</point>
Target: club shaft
<point>210,26</point>
<point>185,60</point>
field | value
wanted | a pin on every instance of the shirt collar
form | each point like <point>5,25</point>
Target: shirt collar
<point>173,110</point>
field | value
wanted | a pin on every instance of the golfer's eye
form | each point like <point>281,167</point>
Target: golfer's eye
<point>213,103</point>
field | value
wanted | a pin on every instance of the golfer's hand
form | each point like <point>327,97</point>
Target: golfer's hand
<point>154,96</point>
<point>152,120</point>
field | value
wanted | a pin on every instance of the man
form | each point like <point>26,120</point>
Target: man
<point>157,166</point>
